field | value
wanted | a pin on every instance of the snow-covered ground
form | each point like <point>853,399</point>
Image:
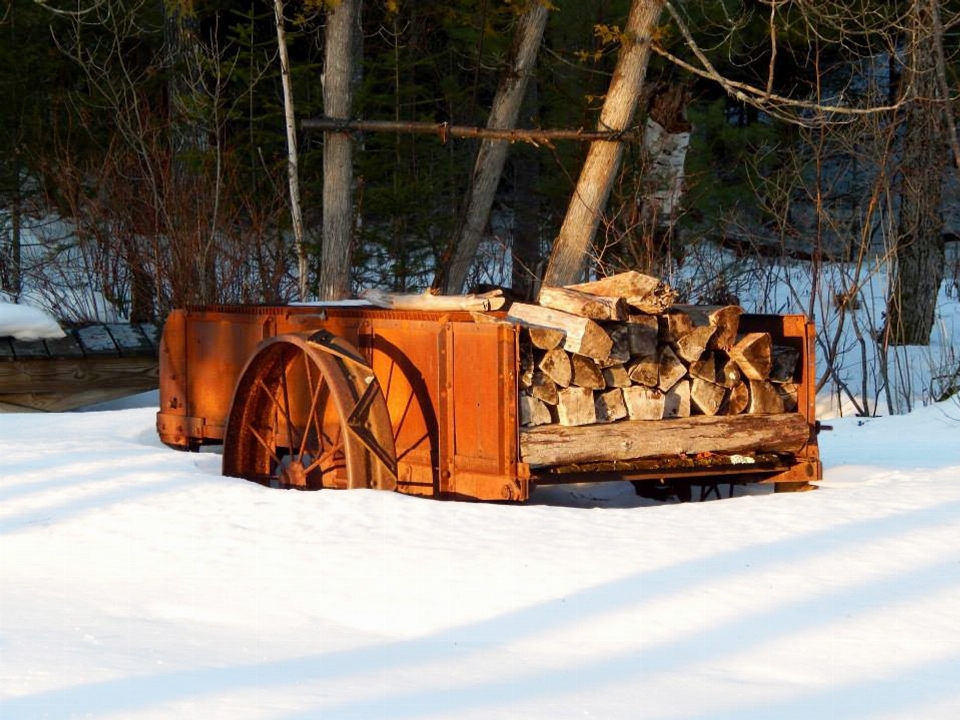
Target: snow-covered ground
<point>136,582</point>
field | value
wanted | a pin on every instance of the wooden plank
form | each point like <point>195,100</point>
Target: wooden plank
<point>152,333</point>
<point>554,445</point>
<point>6,349</point>
<point>64,348</point>
<point>96,341</point>
<point>29,350</point>
<point>130,339</point>
<point>69,376</point>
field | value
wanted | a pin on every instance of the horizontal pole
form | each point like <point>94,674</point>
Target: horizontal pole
<point>445,131</point>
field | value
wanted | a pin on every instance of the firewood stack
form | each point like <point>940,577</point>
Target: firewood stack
<point>620,348</point>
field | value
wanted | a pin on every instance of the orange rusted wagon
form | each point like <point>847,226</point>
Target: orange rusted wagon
<point>422,402</point>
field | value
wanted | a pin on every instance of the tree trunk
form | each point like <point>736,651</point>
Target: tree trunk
<point>919,249</point>
<point>342,25</point>
<point>572,246</point>
<point>493,153</point>
<point>293,163</point>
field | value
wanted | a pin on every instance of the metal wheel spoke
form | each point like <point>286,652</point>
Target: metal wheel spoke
<point>266,446</point>
<point>276,403</point>
<point>312,415</point>
<point>324,457</point>
<point>284,386</point>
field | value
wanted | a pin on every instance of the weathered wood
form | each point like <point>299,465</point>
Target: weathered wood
<point>533,411</point>
<point>610,406</point>
<point>551,445</point>
<point>692,345</point>
<point>643,292</point>
<point>707,396</point>
<point>783,363</point>
<point>738,399</point>
<point>555,364</point>
<point>643,403</point>
<point>676,401</point>
<point>586,373</point>
<point>705,368</point>
<point>493,300</point>
<point>616,376</point>
<point>752,355</point>
<point>724,319</point>
<point>765,399</point>
<point>581,335</point>
<point>544,389</point>
<point>645,369</point>
<point>545,338</point>
<point>671,368</point>
<point>584,304</point>
<point>576,407</point>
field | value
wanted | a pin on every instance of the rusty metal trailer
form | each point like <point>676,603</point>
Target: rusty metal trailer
<point>424,403</point>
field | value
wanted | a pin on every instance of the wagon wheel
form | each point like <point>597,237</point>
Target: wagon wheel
<point>308,413</point>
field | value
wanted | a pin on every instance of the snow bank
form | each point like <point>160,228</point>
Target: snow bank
<point>27,323</point>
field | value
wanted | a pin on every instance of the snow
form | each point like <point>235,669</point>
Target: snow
<point>137,582</point>
<point>24,322</point>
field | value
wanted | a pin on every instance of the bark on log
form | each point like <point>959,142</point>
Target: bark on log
<point>581,335</point>
<point>576,302</point>
<point>552,445</point>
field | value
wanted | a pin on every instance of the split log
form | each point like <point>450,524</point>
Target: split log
<point>790,393</point>
<point>493,300</point>
<point>752,353</point>
<point>552,445</point>
<point>555,364</point>
<point>671,369</point>
<point>616,376</point>
<point>586,373</point>
<point>764,398</point>
<point>645,369</point>
<point>545,338</point>
<point>692,345</point>
<point>705,368</point>
<point>643,403</point>
<point>584,304</point>
<point>581,335</point>
<point>738,399</point>
<point>610,406</point>
<point>728,374</point>
<point>575,407</point>
<point>676,401</point>
<point>544,389</point>
<point>724,319</point>
<point>533,411</point>
<point>707,396</point>
<point>643,292</point>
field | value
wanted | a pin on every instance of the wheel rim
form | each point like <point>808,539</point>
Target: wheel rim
<point>304,418</point>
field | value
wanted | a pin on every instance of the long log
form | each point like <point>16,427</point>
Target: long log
<point>644,292</point>
<point>553,445</point>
